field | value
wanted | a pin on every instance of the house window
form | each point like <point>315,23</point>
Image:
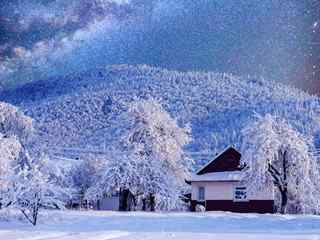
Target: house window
<point>240,194</point>
<point>201,196</point>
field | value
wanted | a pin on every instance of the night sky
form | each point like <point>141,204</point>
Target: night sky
<point>273,39</point>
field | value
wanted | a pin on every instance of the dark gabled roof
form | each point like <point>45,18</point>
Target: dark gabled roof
<point>228,160</point>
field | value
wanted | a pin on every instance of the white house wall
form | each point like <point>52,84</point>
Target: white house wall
<point>225,191</point>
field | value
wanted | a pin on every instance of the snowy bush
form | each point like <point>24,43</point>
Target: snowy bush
<point>200,208</point>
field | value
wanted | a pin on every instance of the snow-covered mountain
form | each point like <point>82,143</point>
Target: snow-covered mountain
<point>74,112</point>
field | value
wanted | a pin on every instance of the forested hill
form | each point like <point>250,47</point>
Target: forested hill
<point>75,111</point>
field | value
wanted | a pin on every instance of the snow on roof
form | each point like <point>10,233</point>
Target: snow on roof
<point>217,177</point>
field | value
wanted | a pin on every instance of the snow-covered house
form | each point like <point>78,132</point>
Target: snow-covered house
<point>217,187</point>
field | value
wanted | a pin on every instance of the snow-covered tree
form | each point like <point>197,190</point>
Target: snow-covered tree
<point>22,184</point>
<point>10,149</point>
<point>30,188</point>
<point>16,130</point>
<point>149,131</point>
<point>84,175</point>
<point>149,159</point>
<point>118,173</point>
<point>276,155</point>
<point>14,123</point>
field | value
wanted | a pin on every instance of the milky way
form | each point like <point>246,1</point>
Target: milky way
<point>273,39</point>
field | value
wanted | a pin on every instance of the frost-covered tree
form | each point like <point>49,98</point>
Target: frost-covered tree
<point>84,175</point>
<point>32,187</point>
<point>16,130</point>
<point>149,131</point>
<point>10,149</point>
<point>9,152</point>
<point>278,156</point>
<point>26,182</point>
<point>118,173</point>
<point>14,123</point>
<point>147,180</point>
<point>149,159</point>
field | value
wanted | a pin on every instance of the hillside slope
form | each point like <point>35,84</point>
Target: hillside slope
<point>75,112</point>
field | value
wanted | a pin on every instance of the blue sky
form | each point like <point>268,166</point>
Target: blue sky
<point>267,38</point>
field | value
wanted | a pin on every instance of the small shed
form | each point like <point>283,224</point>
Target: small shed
<point>219,186</point>
<point>109,203</point>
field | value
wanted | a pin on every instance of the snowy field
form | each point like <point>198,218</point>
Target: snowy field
<point>100,225</point>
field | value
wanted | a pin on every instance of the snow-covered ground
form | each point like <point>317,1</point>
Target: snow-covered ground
<point>102,225</point>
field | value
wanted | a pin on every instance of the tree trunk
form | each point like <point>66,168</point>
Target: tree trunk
<point>144,207</point>
<point>131,201</point>
<point>81,195</point>
<point>284,190</point>
<point>36,210</point>
<point>284,201</point>
<point>279,178</point>
<point>123,199</point>
<point>152,202</point>
<point>98,204</point>
<point>35,215</point>
<point>32,214</point>
<point>134,201</point>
